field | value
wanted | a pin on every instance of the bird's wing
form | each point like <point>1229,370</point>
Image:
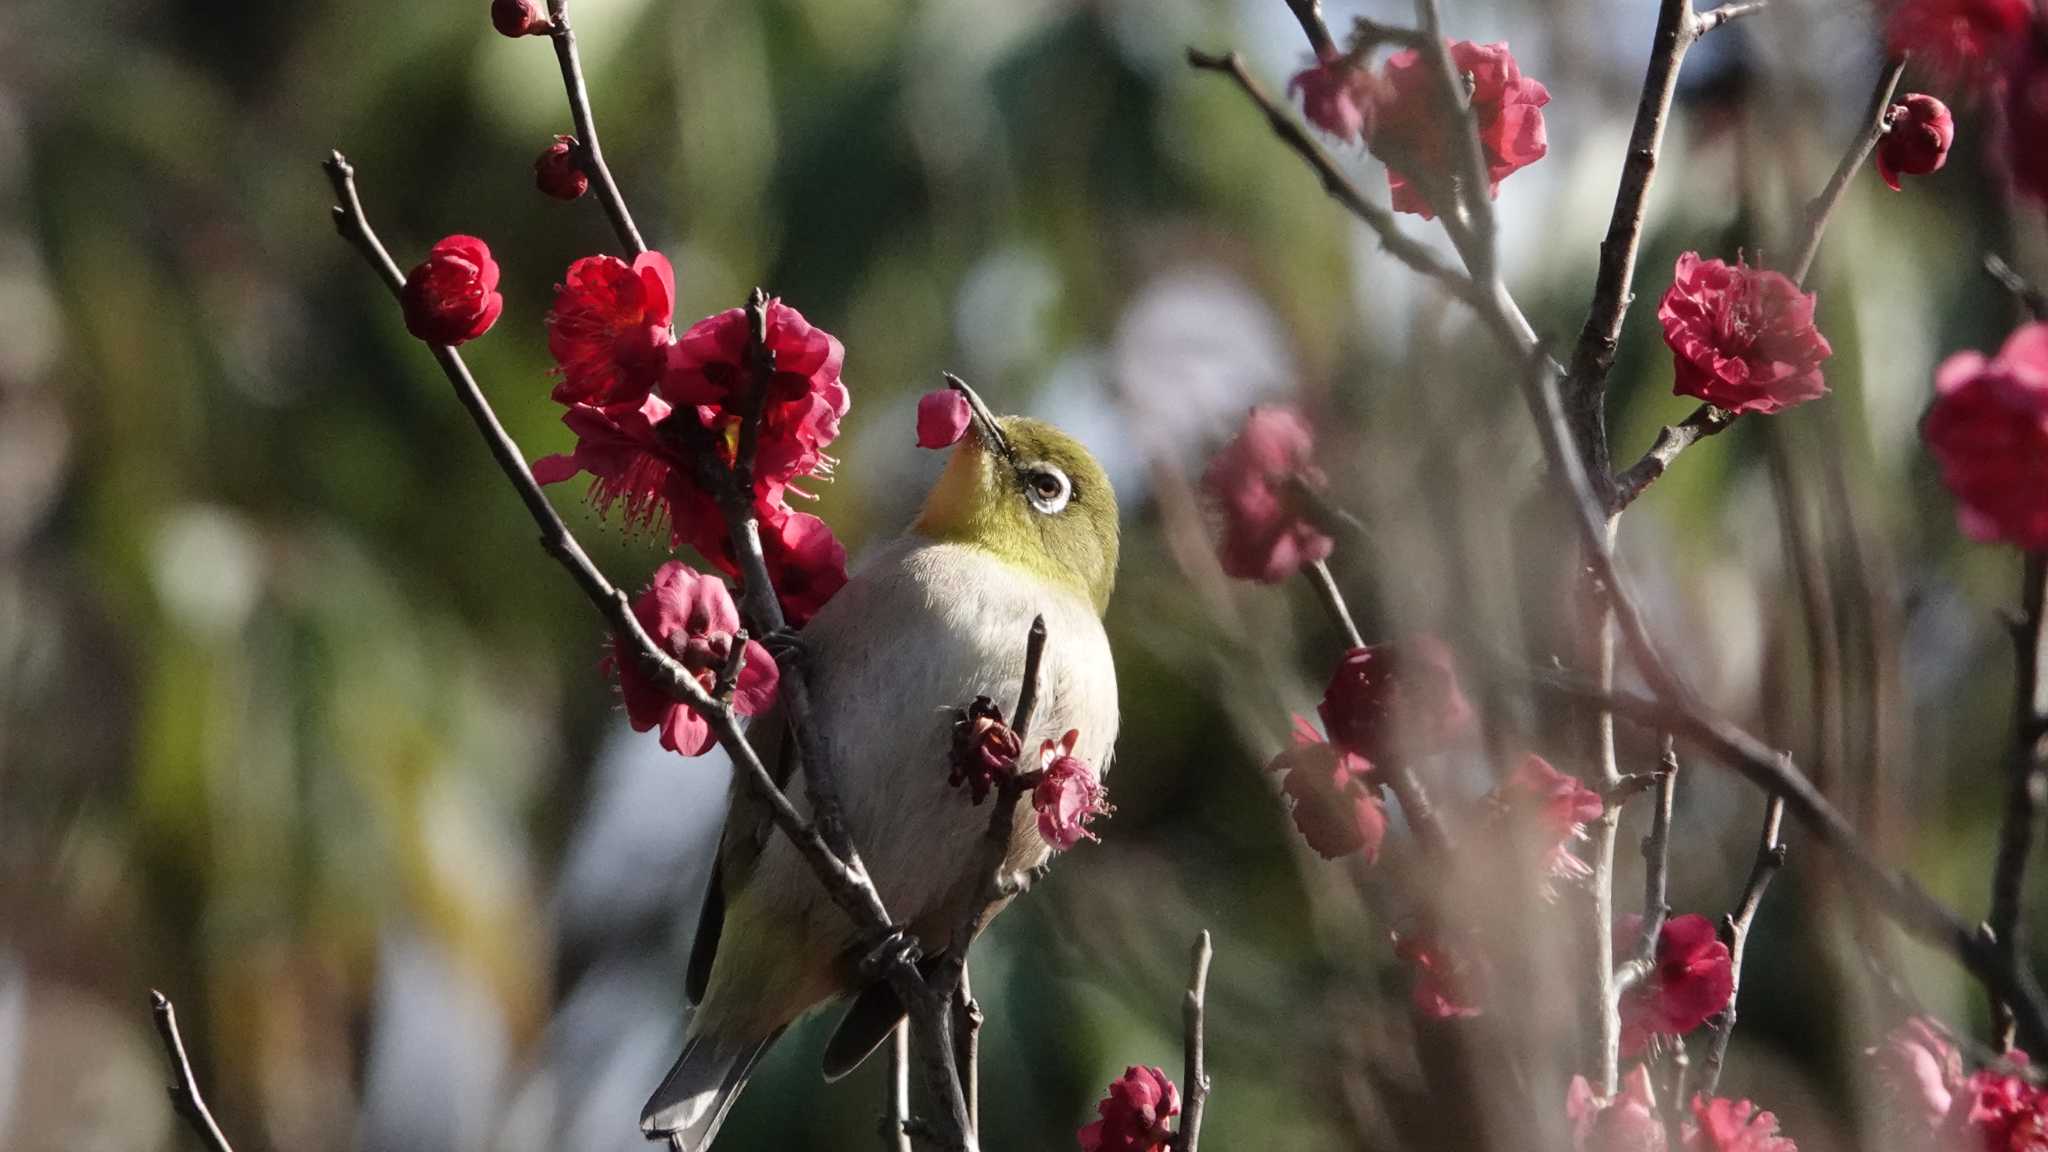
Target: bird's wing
<point>748,825</point>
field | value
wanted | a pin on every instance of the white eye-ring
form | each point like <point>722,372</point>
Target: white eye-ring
<point>1047,488</point>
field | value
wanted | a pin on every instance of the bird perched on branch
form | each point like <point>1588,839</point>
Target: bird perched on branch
<point>1021,523</point>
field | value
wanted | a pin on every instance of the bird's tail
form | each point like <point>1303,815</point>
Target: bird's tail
<point>697,1093</point>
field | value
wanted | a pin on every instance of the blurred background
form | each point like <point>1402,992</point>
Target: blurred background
<point>298,725</point>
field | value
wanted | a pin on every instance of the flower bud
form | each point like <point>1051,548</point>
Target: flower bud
<point>1916,140</point>
<point>559,170</point>
<point>942,416</point>
<point>985,750</point>
<point>520,18</point>
<point>1134,1114</point>
<point>452,296</point>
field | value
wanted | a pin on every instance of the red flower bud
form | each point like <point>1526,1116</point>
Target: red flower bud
<point>1393,701</point>
<point>452,296</point>
<point>1330,94</point>
<point>985,750</point>
<point>1988,429</point>
<point>520,18</point>
<point>1134,1114</point>
<point>942,416</point>
<point>559,170</point>
<point>1743,338</point>
<point>1916,140</point>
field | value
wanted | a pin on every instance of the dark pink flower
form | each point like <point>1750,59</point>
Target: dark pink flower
<point>1540,806</point>
<point>806,562</point>
<point>628,462</point>
<point>1962,41</point>
<point>942,416</point>
<point>1443,986</point>
<point>1918,1071</point>
<point>559,170</point>
<point>452,296</point>
<point>1134,1114</point>
<point>1691,980</point>
<point>1917,139</point>
<point>1743,337</point>
<point>1331,795</point>
<point>1067,796</point>
<point>520,18</point>
<point>1724,1125</point>
<point>691,617</point>
<point>1995,1110</point>
<point>1988,429</point>
<point>1389,702</point>
<point>985,750</point>
<point>707,371</point>
<point>1330,96</point>
<point>1265,536</point>
<point>2026,115</point>
<point>1410,129</point>
<point>1627,1123</point>
<point>610,328</point>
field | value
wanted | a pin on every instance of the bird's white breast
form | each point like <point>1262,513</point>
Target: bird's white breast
<point>922,630</point>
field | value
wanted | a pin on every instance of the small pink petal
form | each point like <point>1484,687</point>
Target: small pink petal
<point>941,418</point>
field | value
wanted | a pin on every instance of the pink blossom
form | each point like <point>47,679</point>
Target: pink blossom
<point>1691,980</point>
<point>1628,1122</point>
<point>452,296</point>
<point>1331,796</point>
<point>942,416</point>
<point>1134,1114</point>
<point>1330,95</point>
<point>1388,702</point>
<point>1988,429</point>
<point>1067,796</point>
<point>1743,338</point>
<point>610,327</point>
<point>691,617</point>
<point>1265,535</point>
<point>1410,129</point>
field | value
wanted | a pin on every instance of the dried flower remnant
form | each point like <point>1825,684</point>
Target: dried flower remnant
<point>985,750</point>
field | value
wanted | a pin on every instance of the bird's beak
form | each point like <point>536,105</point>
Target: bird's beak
<point>984,420</point>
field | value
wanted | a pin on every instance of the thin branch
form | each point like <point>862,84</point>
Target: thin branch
<point>1770,857</point>
<point>591,155</point>
<point>896,1112</point>
<point>1340,187</point>
<point>1470,218</point>
<point>1706,420</point>
<point>967,1021</point>
<point>1875,116</point>
<point>1656,872</point>
<point>1310,14</point>
<point>1593,356</point>
<point>1333,602</point>
<point>1196,1072</point>
<point>2028,296</point>
<point>1727,14</point>
<point>2026,793</point>
<point>184,1089</point>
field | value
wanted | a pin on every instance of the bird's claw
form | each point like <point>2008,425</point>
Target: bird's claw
<point>898,947</point>
<point>785,644</point>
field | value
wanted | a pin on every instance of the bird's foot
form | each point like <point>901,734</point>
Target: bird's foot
<point>1021,881</point>
<point>786,645</point>
<point>898,947</point>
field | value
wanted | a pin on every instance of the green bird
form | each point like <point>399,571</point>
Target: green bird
<point>1021,523</point>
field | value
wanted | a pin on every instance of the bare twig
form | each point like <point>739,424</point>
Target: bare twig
<point>1340,187</point>
<point>591,154</point>
<point>1875,116</point>
<point>896,1113</point>
<point>1333,602</point>
<point>1705,421</point>
<point>1310,14</point>
<point>1469,220</point>
<point>1770,857</point>
<point>1656,873</point>
<point>967,1021</point>
<point>2029,297</point>
<point>184,1089</point>
<point>1196,1073</point>
<point>1727,14</point>
<point>2026,791</point>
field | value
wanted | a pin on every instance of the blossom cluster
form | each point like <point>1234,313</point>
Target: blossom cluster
<point>1934,1106</point>
<point>1630,1121</point>
<point>1066,794</point>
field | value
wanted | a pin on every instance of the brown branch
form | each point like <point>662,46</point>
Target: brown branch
<point>2026,775</point>
<point>590,155</point>
<point>184,1088</point>
<point>1656,872</point>
<point>1593,356</point>
<point>896,1110</point>
<point>1340,187</point>
<point>1706,420</point>
<point>1310,14</point>
<point>967,1021</point>
<point>1706,22</point>
<point>2029,297</point>
<point>1770,857</point>
<point>1196,1072</point>
<point>1875,116</point>
<point>1469,220</point>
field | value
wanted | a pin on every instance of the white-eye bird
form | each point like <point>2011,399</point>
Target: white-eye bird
<point>1021,523</point>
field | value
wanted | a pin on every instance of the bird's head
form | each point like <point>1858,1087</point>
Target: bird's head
<point>1029,493</point>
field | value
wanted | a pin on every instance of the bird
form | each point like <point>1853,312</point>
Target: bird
<point>1021,523</point>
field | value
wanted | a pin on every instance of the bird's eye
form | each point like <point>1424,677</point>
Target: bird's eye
<point>1047,488</point>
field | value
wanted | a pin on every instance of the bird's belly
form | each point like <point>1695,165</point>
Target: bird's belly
<point>915,642</point>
